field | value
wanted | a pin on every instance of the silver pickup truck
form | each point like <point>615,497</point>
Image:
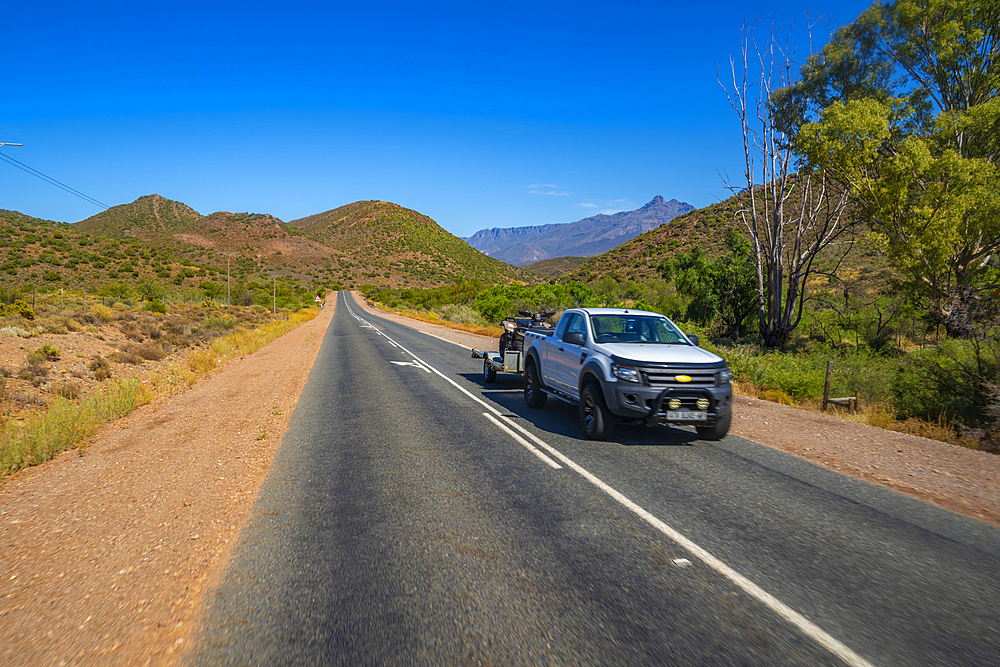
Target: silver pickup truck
<point>628,366</point>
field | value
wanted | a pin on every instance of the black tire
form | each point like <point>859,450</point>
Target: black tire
<point>534,397</point>
<point>597,421</point>
<point>503,342</point>
<point>489,373</point>
<point>717,432</point>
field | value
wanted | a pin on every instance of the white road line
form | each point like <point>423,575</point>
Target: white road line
<point>521,440</point>
<point>806,626</point>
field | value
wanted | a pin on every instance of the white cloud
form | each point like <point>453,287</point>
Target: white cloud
<point>608,206</point>
<point>547,189</point>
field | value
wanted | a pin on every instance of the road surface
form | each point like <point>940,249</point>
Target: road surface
<point>416,515</point>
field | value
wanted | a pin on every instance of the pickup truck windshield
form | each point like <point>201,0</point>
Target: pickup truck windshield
<point>635,329</point>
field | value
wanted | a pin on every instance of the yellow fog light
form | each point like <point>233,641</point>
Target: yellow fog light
<point>702,404</point>
<point>674,403</point>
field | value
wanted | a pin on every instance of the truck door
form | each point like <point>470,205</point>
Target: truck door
<point>565,362</point>
<point>548,349</point>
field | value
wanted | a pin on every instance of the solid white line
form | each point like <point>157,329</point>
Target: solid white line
<point>521,440</point>
<point>806,626</point>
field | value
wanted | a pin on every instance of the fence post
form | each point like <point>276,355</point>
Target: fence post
<point>826,386</point>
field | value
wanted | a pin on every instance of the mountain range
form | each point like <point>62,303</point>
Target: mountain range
<point>583,238</point>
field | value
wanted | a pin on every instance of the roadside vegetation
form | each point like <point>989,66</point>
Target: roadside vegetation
<point>908,374</point>
<point>136,354</point>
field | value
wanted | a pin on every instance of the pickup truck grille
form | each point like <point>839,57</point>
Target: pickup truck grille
<point>661,378</point>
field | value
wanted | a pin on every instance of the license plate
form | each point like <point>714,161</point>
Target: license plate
<point>686,416</point>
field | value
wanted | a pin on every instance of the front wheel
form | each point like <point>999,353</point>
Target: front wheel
<point>489,373</point>
<point>598,422</point>
<point>534,397</point>
<point>717,432</point>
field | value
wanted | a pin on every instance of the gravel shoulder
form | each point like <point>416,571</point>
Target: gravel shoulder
<point>107,558</point>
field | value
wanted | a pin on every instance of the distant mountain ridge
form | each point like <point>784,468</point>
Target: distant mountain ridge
<point>583,238</point>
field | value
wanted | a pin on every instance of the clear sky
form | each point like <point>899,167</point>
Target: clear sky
<point>476,114</point>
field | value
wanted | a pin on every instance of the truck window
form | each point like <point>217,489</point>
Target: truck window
<point>576,325</point>
<point>635,329</point>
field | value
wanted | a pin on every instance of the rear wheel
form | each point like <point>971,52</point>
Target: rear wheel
<point>717,432</point>
<point>598,422</point>
<point>489,373</point>
<point>534,397</point>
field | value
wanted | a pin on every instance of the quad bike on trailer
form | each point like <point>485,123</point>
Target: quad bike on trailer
<point>508,359</point>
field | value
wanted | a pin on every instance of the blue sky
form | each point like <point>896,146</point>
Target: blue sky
<point>477,115</point>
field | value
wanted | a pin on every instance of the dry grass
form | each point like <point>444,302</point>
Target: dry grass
<point>69,420</point>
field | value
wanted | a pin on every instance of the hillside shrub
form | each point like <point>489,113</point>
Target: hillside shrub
<point>101,368</point>
<point>19,307</point>
<point>951,379</point>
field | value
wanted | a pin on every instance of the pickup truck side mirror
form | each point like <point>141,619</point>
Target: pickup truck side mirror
<point>573,338</point>
<point>694,339</point>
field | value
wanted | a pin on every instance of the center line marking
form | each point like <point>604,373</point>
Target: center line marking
<point>807,627</point>
<point>531,448</point>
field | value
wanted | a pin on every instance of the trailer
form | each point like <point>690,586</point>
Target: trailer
<point>510,361</point>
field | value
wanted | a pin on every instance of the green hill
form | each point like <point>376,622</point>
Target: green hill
<point>638,260</point>
<point>146,218</point>
<point>375,243</point>
<point>395,246</point>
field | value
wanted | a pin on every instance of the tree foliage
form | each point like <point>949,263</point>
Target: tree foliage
<point>724,287</point>
<point>902,108</point>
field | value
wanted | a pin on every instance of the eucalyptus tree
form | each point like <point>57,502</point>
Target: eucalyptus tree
<point>902,108</point>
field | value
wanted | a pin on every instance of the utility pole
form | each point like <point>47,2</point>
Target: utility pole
<point>228,292</point>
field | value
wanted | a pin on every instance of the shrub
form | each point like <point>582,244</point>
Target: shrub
<point>147,351</point>
<point>46,353</point>
<point>67,389</point>
<point>220,322</point>
<point>126,357</point>
<point>951,379</point>
<point>157,306</point>
<point>102,313</point>
<point>101,368</point>
<point>19,307</point>
<point>33,370</point>
<point>13,332</point>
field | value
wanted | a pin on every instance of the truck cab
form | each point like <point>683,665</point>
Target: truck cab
<point>631,366</point>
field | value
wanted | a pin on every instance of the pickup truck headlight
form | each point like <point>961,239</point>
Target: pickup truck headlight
<point>725,377</point>
<point>626,373</point>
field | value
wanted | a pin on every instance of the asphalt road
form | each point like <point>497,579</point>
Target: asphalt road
<point>416,515</point>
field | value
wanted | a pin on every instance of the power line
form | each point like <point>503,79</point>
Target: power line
<point>52,181</point>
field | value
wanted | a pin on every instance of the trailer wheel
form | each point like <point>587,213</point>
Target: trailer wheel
<point>534,397</point>
<point>489,374</point>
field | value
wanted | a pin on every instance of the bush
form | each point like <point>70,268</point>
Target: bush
<point>101,368</point>
<point>157,306</point>
<point>46,353</point>
<point>950,380</point>
<point>67,389</point>
<point>147,351</point>
<point>19,307</point>
<point>102,313</point>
